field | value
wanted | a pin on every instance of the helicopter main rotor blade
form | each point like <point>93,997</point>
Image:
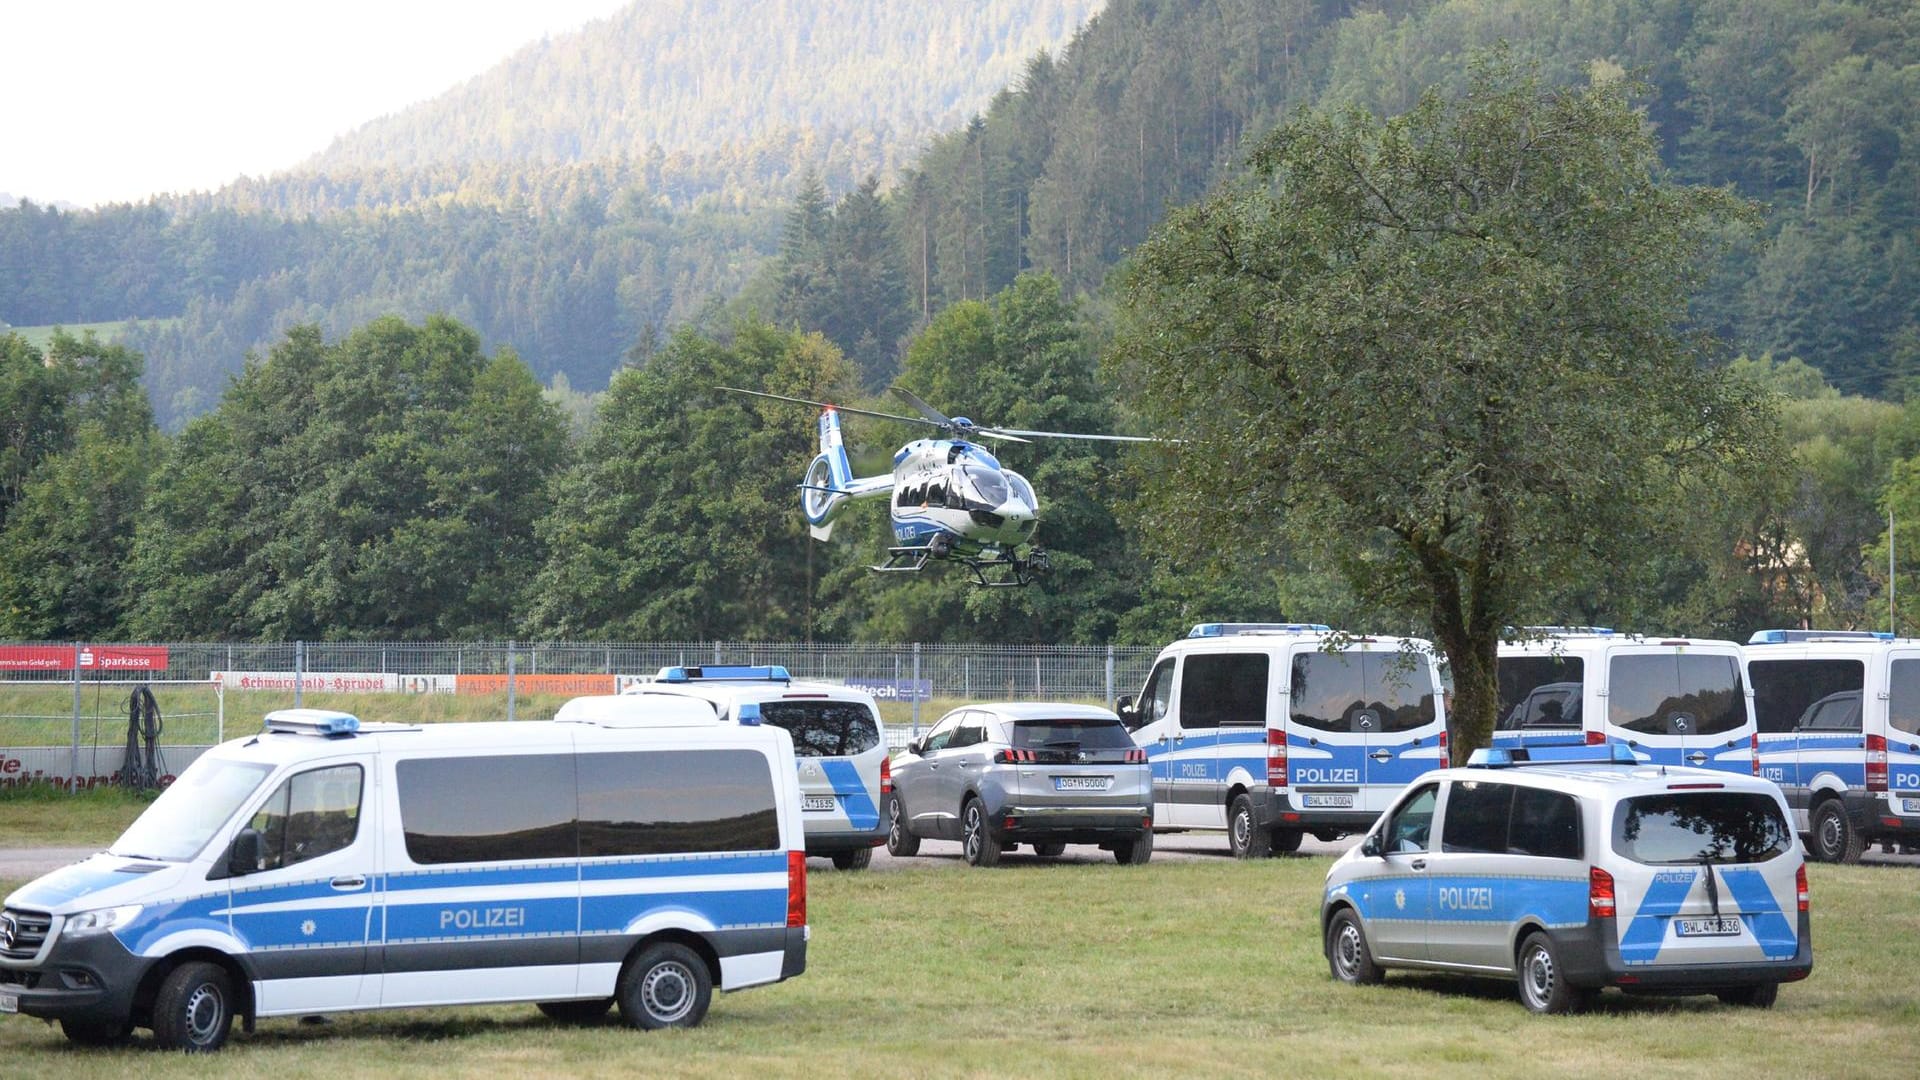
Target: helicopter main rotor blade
<point>830,405</point>
<point>996,433</point>
<point>932,414</point>
<point>1069,435</point>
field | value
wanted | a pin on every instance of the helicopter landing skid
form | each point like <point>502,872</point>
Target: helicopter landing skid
<point>904,560</point>
<point>1018,571</point>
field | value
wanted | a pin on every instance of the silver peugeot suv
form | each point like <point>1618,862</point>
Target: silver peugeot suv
<point>997,776</point>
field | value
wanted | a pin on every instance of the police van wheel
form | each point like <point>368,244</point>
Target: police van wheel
<point>1134,852</point>
<point>1281,841</point>
<point>95,1032</point>
<point>857,859</point>
<point>1834,837</point>
<point>1247,840</point>
<point>1761,996</point>
<point>1347,954</point>
<point>976,840</point>
<point>193,1010</point>
<point>1048,851</point>
<point>576,1012</point>
<point>1543,984</point>
<point>900,839</point>
<point>666,986</point>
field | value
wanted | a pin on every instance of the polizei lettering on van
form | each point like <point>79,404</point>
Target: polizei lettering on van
<point>482,918</point>
<point>1470,898</point>
<point>1307,775</point>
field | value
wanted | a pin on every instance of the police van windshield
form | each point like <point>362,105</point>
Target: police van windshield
<point>824,728</point>
<point>1681,828</point>
<point>190,810</point>
<point>1540,692</point>
<point>1676,694</point>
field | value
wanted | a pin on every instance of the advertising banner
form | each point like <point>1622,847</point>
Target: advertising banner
<point>536,684</point>
<point>91,657</point>
<point>337,682</point>
<point>99,766</point>
<point>895,689</point>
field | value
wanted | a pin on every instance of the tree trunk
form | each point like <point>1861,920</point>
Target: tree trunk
<point>1476,696</point>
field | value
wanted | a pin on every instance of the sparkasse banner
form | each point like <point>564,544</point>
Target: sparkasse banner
<point>90,657</point>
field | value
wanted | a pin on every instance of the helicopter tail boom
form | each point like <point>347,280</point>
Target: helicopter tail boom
<point>830,482</point>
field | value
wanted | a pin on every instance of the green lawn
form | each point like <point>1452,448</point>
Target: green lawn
<point>40,336</point>
<point>1193,968</point>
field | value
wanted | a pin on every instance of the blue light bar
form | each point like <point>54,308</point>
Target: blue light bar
<point>1782,637</point>
<point>1228,629</point>
<point>1511,757</point>
<point>735,672</point>
<point>1564,631</point>
<point>749,714</point>
<point>312,722</point>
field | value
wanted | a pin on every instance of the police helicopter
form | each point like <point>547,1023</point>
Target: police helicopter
<point>951,497</point>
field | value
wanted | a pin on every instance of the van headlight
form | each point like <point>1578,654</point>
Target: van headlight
<point>100,921</point>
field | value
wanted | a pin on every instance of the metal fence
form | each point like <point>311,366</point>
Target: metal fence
<point>73,697</point>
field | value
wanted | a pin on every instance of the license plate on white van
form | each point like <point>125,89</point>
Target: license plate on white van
<point>1082,783</point>
<point>811,803</point>
<point>1910,806</point>
<point>1339,801</point>
<point>9,1003</point>
<point>1706,927</point>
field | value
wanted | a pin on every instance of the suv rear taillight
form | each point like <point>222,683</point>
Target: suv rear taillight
<point>886,775</point>
<point>1876,763</point>
<point>1800,886</point>
<point>1137,756</point>
<point>1596,738</point>
<point>796,888</point>
<point>1276,758</point>
<point>1599,893</point>
<point>1015,757</point>
<point>1755,746</point>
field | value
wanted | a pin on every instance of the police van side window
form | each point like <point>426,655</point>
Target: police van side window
<point>1676,694</point>
<point>1784,690</point>
<point>676,802</point>
<point>1540,692</point>
<point>1477,815</point>
<point>824,728</point>
<point>312,814</point>
<point>1903,697</point>
<point>1224,690</point>
<point>1328,690</point>
<point>1412,823</point>
<point>1545,823</point>
<point>504,808</point>
<point>1840,712</point>
<point>1157,697</point>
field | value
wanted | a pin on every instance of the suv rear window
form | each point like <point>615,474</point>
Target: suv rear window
<point>824,728</point>
<point>1054,734</point>
<point>1689,828</point>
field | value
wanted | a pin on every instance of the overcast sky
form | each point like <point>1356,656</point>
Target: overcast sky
<point>115,100</point>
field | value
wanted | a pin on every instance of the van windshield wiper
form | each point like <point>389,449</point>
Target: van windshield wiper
<point>131,855</point>
<point>1713,883</point>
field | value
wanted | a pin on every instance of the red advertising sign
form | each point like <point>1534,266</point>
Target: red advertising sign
<point>91,657</point>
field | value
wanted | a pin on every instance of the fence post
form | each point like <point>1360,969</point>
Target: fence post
<point>73,756</point>
<point>916,691</point>
<point>1109,676</point>
<point>299,671</point>
<point>510,685</point>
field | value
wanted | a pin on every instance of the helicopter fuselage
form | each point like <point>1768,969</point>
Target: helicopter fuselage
<point>957,489</point>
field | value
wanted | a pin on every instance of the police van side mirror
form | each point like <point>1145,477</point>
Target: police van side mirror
<point>1370,847</point>
<point>242,858</point>
<point>1124,709</point>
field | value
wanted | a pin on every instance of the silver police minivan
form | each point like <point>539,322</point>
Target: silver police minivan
<point>997,776</point>
<point>1570,869</point>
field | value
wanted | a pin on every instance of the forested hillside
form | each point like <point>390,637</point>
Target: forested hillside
<point>575,260</point>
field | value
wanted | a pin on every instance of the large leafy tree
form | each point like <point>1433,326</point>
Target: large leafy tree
<point>1444,353</point>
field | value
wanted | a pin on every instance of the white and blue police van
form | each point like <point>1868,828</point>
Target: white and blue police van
<point>839,747</point>
<point>1273,730</point>
<point>1672,701</point>
<point>630,852</point>
<point>1572,869</point>
<point>1839,715</point>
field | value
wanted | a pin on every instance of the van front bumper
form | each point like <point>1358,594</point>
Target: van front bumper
<point>1590,958</point>
<point>88,980</point>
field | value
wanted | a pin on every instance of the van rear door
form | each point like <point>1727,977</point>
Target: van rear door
<point>1680,706</point>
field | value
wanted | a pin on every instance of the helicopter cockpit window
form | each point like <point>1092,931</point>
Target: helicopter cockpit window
<point>937,492</point>
<point>989,488</point>
<point>1022,490</point>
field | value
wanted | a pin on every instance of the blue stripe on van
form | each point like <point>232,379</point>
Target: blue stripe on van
<point>1778,937</point>
<point>845,778</point>
<point>1648,930</point>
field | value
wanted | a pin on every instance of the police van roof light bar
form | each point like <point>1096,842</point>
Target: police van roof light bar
<point>1228,629</point>
<point>324,722</point>
<point>1782,637</point>
<point>732,672</point>
<point>1512,757</point>
<point>1566,631</point>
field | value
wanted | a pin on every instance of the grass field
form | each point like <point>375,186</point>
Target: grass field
<point>39,336</point>
<point>1190,968</point>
